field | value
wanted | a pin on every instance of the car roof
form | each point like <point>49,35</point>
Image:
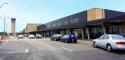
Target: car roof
<point>57,34</point>
<point>110,34</point>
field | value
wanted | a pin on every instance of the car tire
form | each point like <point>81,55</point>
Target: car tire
<point>109,48</point>
<point>55,39</point>
<point>65,41</point>
<point>94,45</point>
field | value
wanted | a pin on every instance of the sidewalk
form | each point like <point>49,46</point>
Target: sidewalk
<point>81,41</point>
<point>88,42</point>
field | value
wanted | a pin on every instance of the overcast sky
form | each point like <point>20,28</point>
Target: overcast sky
<point>43,11</point>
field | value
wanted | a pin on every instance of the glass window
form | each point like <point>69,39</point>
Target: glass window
<point>118,37</point>
<point>106,37</point>
<point>101,37</point>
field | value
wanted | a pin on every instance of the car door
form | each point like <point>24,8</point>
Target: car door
<point>98,41</point>
<point>104,41</point>
<point>53,37</point>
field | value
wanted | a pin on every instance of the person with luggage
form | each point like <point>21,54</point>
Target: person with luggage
<point>72,38</point>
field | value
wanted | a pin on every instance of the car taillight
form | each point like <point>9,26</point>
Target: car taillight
<point>119,43</point>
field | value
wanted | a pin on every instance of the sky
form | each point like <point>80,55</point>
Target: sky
<point>43,11</point>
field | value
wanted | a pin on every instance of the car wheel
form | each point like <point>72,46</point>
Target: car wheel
<point>54,39</point>
<point>66,41</point>
<point>94,45</point>
<point>109,48</point>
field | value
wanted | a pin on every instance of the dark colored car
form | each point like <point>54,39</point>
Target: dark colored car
<point>68,39</point>
<point>56,37</point>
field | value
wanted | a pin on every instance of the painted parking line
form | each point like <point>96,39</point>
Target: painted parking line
<point>66,49</point>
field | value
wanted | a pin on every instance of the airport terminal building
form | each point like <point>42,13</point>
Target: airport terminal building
<point>88,24</point>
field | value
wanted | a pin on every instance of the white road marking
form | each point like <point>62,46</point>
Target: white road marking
<point>66,49</point>
<point>27,50</point>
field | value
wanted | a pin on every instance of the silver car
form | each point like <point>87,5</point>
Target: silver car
<point>110,42</point>
<point>20,36</point>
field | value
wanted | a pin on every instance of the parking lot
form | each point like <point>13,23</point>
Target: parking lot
<point>45,49</point>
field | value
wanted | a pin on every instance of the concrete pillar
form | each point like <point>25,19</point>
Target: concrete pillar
<point>51,33</point>
<point>123,28</point>
<point>82,32</point>
<point>44,33</point>
<point>103,28</point>
<point>88,34</point>
<point>71,30</point>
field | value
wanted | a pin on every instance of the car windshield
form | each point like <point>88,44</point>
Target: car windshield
<point>57,35</point>
<point>118,37</point>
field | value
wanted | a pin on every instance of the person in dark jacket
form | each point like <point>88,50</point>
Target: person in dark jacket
<point>74,39</point>
<point>70,38</point>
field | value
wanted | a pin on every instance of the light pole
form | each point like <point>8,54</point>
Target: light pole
<point>4,18</point>
<point>4,27</point>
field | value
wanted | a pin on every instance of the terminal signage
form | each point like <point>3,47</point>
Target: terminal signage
<point>76,20</point>
<point>66,21</point>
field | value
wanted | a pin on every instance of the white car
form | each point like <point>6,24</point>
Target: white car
<point>38,36</point>
<point>31,36</point>
<point>110,42</point>
<point>20,36</point>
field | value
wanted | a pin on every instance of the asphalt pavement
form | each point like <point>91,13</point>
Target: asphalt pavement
<point>45,49</point>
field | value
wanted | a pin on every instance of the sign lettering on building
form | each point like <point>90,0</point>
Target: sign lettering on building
<point>76,20</point>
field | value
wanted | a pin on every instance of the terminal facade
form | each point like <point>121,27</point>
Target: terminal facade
<point>88,24</point>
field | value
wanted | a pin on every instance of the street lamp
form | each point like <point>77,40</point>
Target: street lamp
<point>4,18</point>
<point>5,25</point>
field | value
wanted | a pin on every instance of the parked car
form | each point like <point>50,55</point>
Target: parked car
<point>31,36</point>
<point>56,37</point>
<point>20,36</point>
<point>65,38</point>
<point>68,39</point>
<point>110,42</point>
<point>38,36</point>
